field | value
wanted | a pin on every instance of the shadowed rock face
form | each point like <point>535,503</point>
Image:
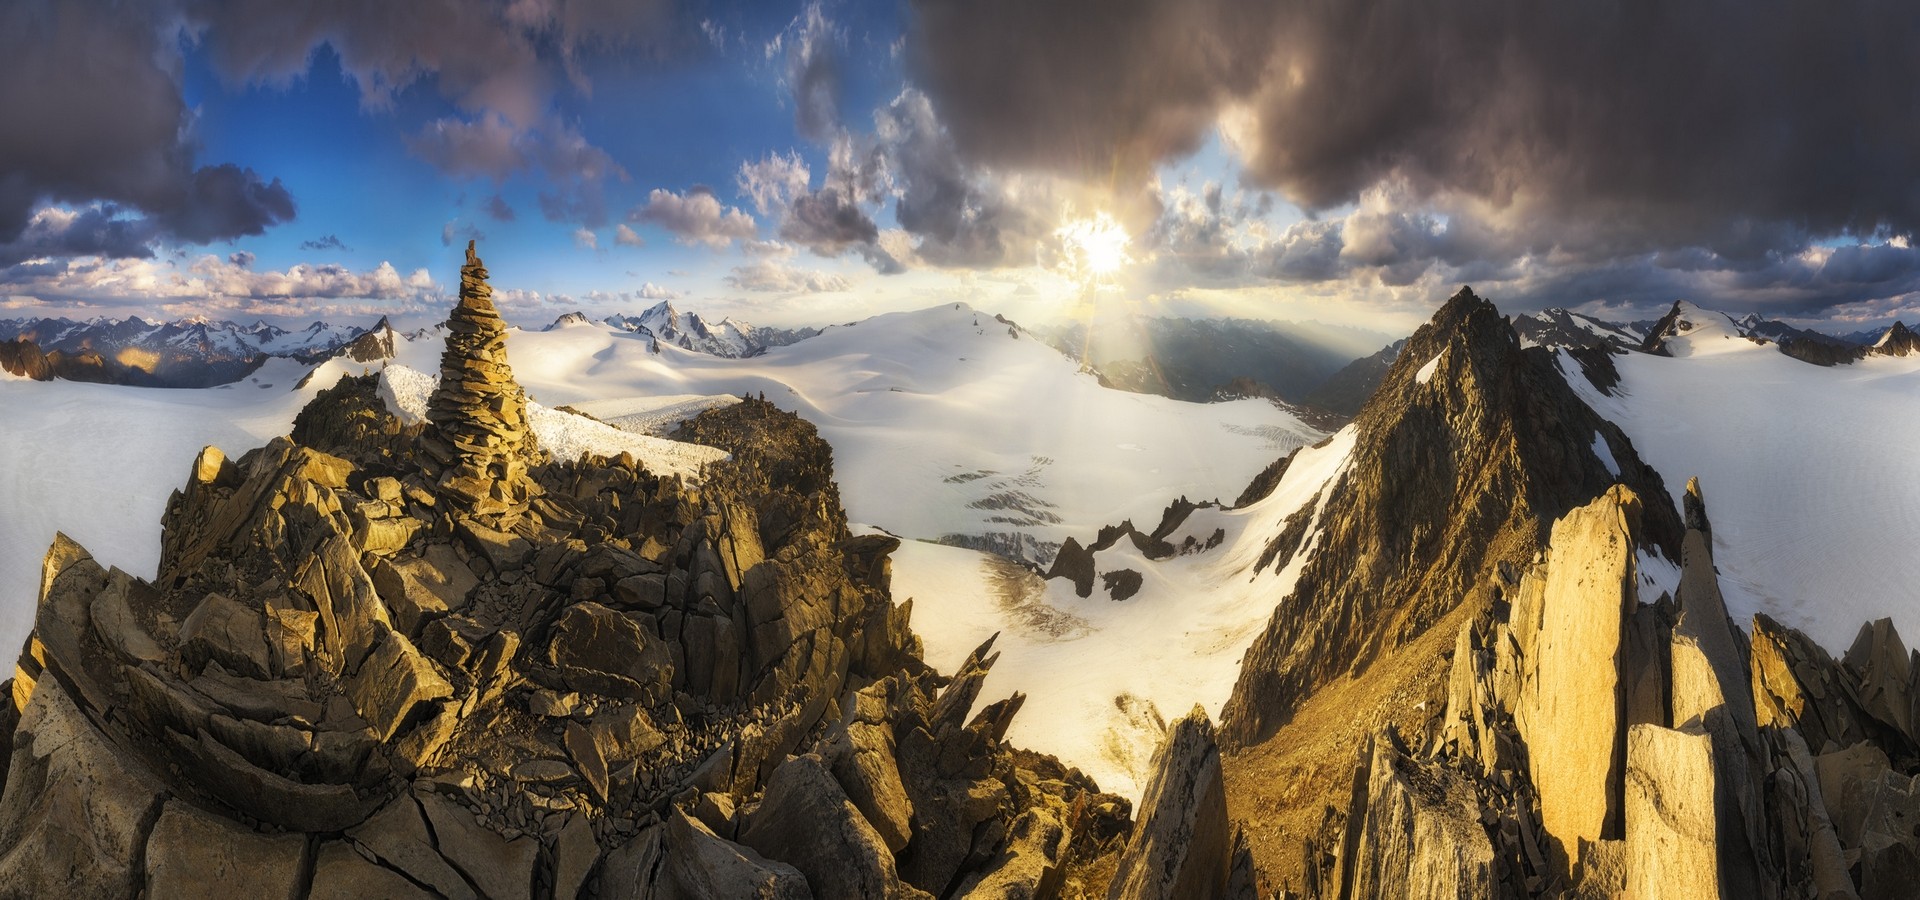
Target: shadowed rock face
<point>1451,477</point>
<point>357,675</point>
<point>1898,341</point>
<point>1183,846</point>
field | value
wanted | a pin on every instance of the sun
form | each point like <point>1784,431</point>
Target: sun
<point>1095,246</point>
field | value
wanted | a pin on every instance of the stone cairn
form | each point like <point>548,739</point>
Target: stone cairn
<point>479,435</point>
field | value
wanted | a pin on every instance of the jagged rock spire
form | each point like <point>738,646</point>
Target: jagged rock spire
<point>478,414</point>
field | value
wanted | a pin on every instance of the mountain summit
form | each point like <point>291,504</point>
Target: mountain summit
<point>1461,461</point>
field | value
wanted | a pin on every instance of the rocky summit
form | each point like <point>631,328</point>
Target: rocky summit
<point>397,661</point>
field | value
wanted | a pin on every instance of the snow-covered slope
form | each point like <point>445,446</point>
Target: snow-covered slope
<point>1565,328</point>
<point>1103,678</point>
<point>1810,473</point>
<point>565,435</point>
<point>944,422</point>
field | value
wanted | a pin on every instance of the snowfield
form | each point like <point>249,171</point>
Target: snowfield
<point>943,421</point>
<point>1103,678</point>
<point>1811,475</point>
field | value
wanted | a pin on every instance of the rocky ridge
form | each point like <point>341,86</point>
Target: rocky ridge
<point>400,661</point>
<point>1470,450</point>
<point>1594,744</point>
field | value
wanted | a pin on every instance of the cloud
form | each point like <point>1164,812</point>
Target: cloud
<point>772,277</point>
<point>812,46</point>
<point>766,248</point>
<point>627,237</point>
<point>501,66</point>
<point>496,207</point>
<point>696,217</point>
<point>455,231</point>
<point>773,182</point>
<point>585,238</point>
<point>324,242</point>
<point>650,291</point>
<point>491,146</point>
<point>962,217</point>
<point>213,283</point>
<point>1671,125</point>
<point>829,221</point>
<point>105,122</point>
<point>97,230</point>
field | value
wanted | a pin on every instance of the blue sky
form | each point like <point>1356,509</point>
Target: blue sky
<point>809,162</point>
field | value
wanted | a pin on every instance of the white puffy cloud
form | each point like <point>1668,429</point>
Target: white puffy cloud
<point>773,277</point>
<point>696,217</point>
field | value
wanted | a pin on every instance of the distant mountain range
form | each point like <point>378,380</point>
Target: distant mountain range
<point>183,353</point>
<point>690,331</point>
<point>200,352</point>
<point>1564,328</point>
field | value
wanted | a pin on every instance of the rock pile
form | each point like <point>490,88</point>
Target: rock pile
<point>480,437</point>
<point>356,676</point>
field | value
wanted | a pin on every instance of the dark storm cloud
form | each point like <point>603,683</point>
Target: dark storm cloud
<point>325,242</point>
<point>482,56</point>
<point>1608,128</point>
<point>496,206</point>
<point>1083,86</point>
<point>813,74</point>
<point>92,231</point>
<point>828,222</point>
<point>93,112</point>
<point>959,220</point>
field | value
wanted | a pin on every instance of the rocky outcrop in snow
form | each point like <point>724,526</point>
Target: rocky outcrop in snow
<point>353,678</point>
<point>1899,340</point>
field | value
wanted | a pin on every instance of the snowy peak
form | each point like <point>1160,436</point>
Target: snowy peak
<point>375,344</point>
<point>1898,341</point>
<point>191,352</point>
<point>1688,330</point>
<point>691,331</point>
<point>570,320</point>
<point>1564,328</point>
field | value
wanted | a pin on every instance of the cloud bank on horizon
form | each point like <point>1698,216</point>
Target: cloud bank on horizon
<point>1262,157</point>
